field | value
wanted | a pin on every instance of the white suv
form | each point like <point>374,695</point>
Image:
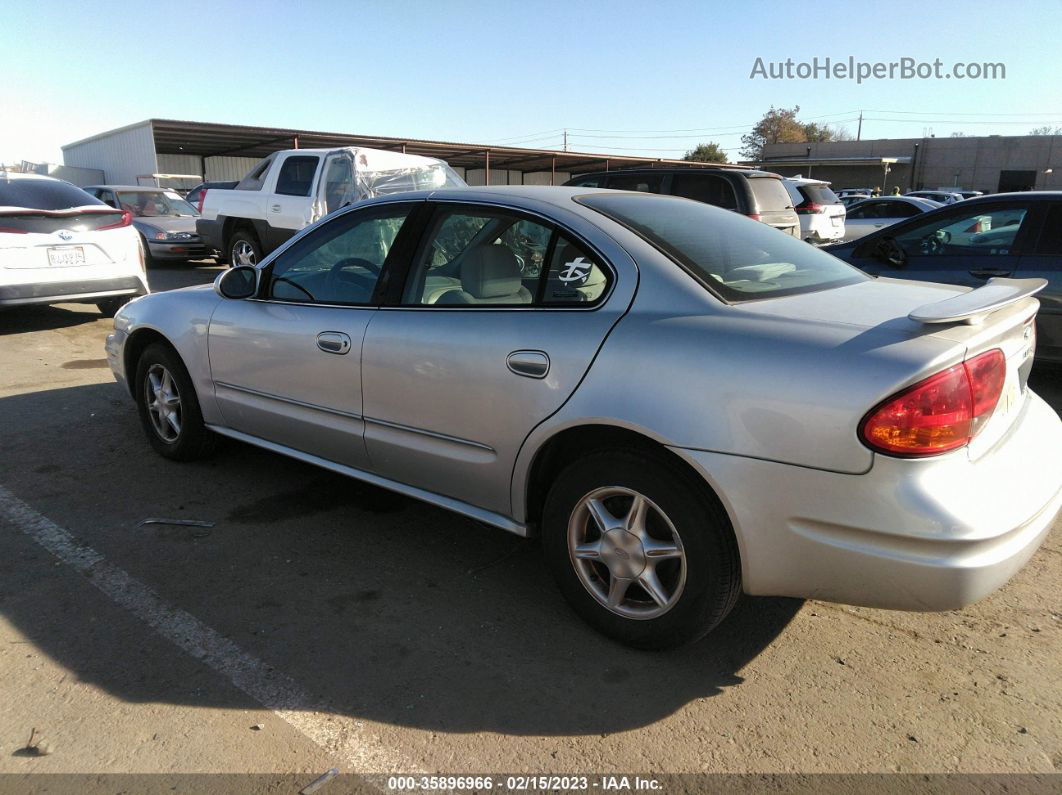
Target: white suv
<point>821,213</point>
<point>58,244</point>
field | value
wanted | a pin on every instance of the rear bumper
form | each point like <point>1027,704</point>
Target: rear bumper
<point>87,290</point>
<point>931,534</point>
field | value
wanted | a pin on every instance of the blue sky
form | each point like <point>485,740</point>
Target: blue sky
<point>487,72</point>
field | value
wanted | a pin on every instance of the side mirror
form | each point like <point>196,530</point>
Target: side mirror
<point>237,283</point>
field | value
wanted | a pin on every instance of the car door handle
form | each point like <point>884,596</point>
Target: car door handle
<point>532,364</point>
<point>988,273</point>
<point>333,342</point>
<point>275,208</point>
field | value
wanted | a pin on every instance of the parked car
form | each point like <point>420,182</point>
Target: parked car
<point>601,368</point>
<point>58,244</point>
<point>1002,235</point>
<point>854,192</point>
<point>939,196</point>
<point>195,196</point>
<point>165,221</point>
<point>970,194</point>
<point>291,189</point>
<point>852,198</point>
<point>870,215</point>
<point>821,213</point>
<point>760,195</point>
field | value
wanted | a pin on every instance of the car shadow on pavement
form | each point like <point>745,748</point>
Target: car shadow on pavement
<point>25,319</point>
<point>382,608</point>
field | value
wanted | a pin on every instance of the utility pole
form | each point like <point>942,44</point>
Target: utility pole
<point>859,130</point>
<point>565,139</point>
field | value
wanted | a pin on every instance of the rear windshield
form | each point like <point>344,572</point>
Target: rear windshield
<point>819,194</point>
<point>43,194</point>
<point>770,194</point>
<point>735,257</point>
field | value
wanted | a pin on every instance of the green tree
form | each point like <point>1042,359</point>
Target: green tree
<point>781,126</point>
<point>1046,130</point>
<point>706,153</point>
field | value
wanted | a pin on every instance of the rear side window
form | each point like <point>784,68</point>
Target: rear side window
<point>1051,237</point>
<point>296,175</point>
<point>770,194</point>
<point>706,188</point>
<point>43,194</point>
<point>737,258</point>
<point>644,183</point>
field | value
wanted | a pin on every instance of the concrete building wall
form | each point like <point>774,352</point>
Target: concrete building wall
<point>122,155</point>
<point>77,176</point>
<point>977,163</point>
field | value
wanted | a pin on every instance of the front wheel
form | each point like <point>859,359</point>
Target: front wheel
<point>642,551</point>
<point>168,406</point>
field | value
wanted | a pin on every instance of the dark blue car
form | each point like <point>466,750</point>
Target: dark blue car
<point>1016,235</point>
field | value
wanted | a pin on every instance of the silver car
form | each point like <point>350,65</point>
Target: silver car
<point>870,215</point>
<point>682,403</point>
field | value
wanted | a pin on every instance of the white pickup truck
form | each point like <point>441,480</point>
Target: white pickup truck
<point>292,189</point>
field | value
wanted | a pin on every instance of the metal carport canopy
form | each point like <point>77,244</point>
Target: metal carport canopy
<point>209,140</point>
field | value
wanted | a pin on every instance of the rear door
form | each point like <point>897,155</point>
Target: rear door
<point>499,318</point>
<point>1044,261</point>
<point>289,205</point>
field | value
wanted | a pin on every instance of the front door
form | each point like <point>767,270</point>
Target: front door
<point>1044,261</point>
<point>286,365</point>
<point>500,317</point>
<point>968,245</point>
<point>289,206</point>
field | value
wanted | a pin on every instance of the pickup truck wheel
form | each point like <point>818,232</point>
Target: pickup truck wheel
<point>642,552</point>
<point>244,249</point>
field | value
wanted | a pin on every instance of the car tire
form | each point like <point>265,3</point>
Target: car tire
<point>109,306</point>
<point>244,249</point>
<point>168,406</point>
<point>698,587</point>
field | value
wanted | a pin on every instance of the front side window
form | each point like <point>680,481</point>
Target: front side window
<point>735,257</point>
<point>340,262</point>
<point>486,257</point>
<point>338,183</point>
<point>296,175</point>
<point>976,231</point>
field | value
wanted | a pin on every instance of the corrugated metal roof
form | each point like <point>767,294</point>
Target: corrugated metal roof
<point>211,140</point>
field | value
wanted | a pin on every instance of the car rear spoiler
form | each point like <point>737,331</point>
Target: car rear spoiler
<point>972,307</point>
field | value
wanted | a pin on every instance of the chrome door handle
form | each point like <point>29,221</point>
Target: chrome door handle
<point>532,364</point>
<point>333,342</point>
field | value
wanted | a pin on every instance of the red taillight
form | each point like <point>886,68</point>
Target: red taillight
<point>11,230</point>
<point>127,218</point>
<point>202,196</point>
<point>809,208</point>
<point>942,413</point>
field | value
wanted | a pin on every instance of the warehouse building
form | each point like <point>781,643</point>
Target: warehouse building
<point>132,155</point>
<point>992,163</point>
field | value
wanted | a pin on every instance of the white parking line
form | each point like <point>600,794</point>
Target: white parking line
<point>340,735</point>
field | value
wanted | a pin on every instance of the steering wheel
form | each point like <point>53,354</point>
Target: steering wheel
<point>336,274</point>
<point>935,242</point>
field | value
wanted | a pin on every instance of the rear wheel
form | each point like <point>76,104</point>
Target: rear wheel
<point>643,552</point>
<point>168,406</point>
<point>244,249</point>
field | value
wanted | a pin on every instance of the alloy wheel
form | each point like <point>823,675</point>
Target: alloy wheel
<point>243,254</point>
<point>163,403</point>
<point>627,553</point>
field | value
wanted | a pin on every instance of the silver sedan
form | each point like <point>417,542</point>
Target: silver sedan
<point>683,404</point>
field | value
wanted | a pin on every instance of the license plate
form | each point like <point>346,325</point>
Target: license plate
<point>66,257</point>
<point>836,220</point>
